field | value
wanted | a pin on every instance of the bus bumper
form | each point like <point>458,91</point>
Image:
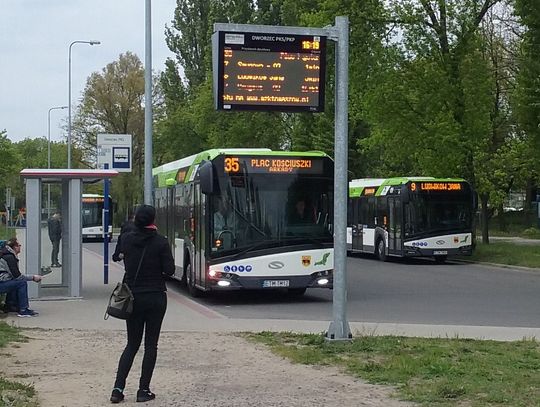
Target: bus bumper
<point>411,251</point>
<point>230,281</point>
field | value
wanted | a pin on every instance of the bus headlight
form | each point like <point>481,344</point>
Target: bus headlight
<point>322,281</point>
<point>222,283</point>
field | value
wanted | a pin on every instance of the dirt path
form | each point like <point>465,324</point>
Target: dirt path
<point>76,368</point>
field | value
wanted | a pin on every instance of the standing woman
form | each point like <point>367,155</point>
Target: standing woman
<point>148,252</point>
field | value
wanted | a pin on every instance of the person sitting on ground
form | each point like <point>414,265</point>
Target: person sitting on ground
<point>13,282</point>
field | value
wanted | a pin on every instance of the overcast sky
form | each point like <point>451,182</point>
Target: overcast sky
<point>34,43</point>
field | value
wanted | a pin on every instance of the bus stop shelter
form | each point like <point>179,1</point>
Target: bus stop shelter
<point>67,279</point>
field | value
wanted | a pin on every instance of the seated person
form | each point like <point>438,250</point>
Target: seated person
<point>301,214</point>
<point>224,223</point>
<point>12,282</point>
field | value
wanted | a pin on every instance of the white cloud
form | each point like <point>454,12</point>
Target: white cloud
<point>34,41</point>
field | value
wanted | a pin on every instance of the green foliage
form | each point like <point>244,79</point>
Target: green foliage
<point>113,103</point>
<point>442,372</point>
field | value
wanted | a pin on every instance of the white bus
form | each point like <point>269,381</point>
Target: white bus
<point>92,216</point>
<point>248,219</point>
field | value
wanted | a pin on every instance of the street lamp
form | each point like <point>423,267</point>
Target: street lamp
<point>49,154</point>
<point>69,95</point>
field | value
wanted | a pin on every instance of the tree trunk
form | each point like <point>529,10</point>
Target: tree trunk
<point>503,225</point>
<point>484,198</point>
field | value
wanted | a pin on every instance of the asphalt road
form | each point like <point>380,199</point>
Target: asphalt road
<point>400,291</point>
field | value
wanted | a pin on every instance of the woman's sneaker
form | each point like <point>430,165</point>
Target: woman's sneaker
<point>117,396</point>
<point>145,395</point>
<point>28,313</point>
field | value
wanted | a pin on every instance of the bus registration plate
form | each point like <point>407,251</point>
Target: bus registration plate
<point>275,283</point>
<point>440,252</point>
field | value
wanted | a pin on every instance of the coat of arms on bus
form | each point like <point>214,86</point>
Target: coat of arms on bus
<point>306,261</point>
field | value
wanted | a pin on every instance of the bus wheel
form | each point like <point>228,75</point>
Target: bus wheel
<point>440,259</point>
<point>296,292</point>
<point>190,280</point>
<point>381,250</point>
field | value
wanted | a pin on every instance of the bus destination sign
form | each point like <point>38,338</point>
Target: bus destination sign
<point>436,186</point>
<point>272,165</point>
<point>282,72</point>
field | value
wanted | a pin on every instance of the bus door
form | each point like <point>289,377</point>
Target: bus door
<point>356,226</point>
<point>170,216</point>
<point>394,225</point>
<point>199,238</point>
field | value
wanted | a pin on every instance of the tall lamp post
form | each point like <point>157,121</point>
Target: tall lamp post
<point>49,154</point>
<point>69,95</point>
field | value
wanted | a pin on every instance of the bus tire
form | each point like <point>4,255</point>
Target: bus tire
<point>440,259</point>
<point>190,282</point>
<point>381,250</point>
<point>296,292</point>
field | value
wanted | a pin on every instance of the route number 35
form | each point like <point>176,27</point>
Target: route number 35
<point>232,164</point>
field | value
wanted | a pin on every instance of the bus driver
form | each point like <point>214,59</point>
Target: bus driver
<point>223,223</point>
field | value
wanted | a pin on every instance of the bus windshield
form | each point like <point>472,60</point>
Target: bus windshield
<point>268,210</point>
<point>92,211</point>
<point>436,213</point>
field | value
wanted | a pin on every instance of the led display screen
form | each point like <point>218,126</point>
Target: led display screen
<point>436,186</point>
<point>283,72</point>
<point>233,165</point>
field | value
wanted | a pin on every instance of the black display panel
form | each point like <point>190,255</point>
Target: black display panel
<point>234,165</point>
<point>281,72</point>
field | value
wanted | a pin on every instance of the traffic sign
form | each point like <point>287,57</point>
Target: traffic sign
<point>114,150</point>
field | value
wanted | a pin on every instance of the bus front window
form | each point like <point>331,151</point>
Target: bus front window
<point>277,209</point>
<point>437,213</point>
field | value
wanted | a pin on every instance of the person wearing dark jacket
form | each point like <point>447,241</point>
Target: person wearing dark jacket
<point>127,226</point>
<point>54,225</point>
<point>152,251</point>
<point>13,282</point>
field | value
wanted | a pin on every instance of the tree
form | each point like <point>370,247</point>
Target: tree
<point>527,96</point>
<point>112,103</point>
<point>445,91</point>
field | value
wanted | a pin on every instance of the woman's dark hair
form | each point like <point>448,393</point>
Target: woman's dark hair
<point>144,216</point>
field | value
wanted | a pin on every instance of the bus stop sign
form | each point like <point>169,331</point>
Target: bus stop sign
<point>114,150</point>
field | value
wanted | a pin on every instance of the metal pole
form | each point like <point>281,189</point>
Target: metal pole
<point>49,155</point>
<point>106,228</point>
<point>69,96</point>
<point>339,328</point>
<point>148,105</point>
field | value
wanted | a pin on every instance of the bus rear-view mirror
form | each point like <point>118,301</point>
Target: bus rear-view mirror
<point>206,177</point>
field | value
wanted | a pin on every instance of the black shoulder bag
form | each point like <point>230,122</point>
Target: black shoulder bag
<point>121,301</point>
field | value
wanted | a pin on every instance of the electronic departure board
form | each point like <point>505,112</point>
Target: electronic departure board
<point>436,186</point>
<point>283,72</point>
<point>233,165</point>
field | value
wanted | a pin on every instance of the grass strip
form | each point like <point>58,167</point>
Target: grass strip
<point>14,394</point>
<point>431,372</point>
<point>507,253</point>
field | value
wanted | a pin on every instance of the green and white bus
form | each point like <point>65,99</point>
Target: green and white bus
<point>248,219</point>
<point>411,217</point>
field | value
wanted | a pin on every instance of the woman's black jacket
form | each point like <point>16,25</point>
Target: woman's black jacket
<point>157,263</point>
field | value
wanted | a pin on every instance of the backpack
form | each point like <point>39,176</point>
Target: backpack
<point>5,272</point>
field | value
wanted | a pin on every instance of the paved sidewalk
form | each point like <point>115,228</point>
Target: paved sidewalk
<point>185,315</point>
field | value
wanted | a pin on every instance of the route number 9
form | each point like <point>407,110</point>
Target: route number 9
<point>232,164</point>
